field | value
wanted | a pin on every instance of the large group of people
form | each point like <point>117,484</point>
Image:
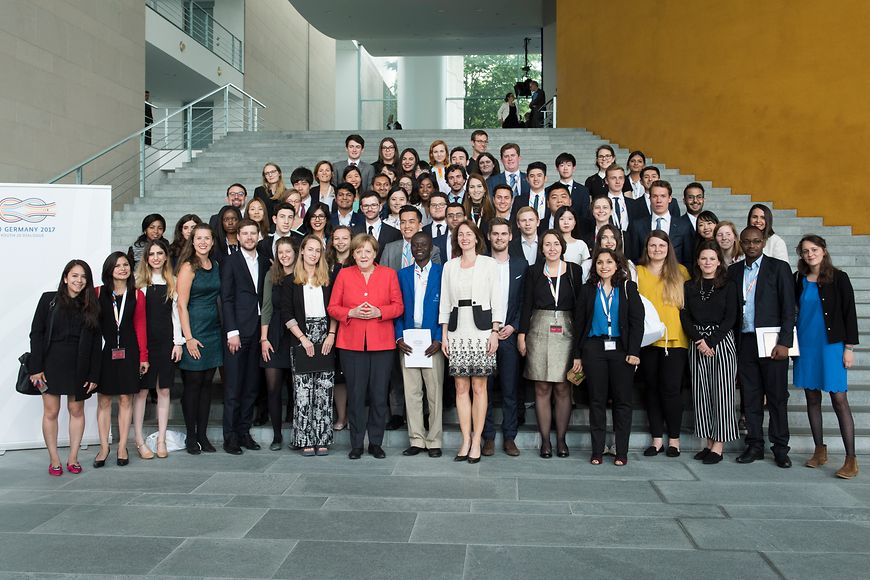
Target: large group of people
<point>382,293</point>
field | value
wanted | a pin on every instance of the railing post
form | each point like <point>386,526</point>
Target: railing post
<point>166,129</point>
<point>250,113</point>
<point>226,110</point>
<point>256,119</point>
<point>142,165</point>
<point>554,112</point>
<point>189,144</point>
<point>80,174</point>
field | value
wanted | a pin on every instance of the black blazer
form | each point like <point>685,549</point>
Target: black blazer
<point>293,305</point>
<point>240,301</point>
<point>638,210</point>
<point>264,246</point>
<point>580,198</point>
<point>838,306</point>
<point>385,236</point>
<point>598,187</point>
<point>356,219</point>
<point>88,359</point>
<point>314,192</point>
<point>680,232</point>
<point>631,316</point>
<point>522,200</point>
<point>518,269</point>
<point>774,297</point>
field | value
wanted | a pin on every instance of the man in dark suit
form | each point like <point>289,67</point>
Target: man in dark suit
<point>639,207</point>
<point>301,180</point>
<point>693,199</point>
<point>512,273</point>
<point>283,220</point>
<point>370,205</point>
<point>479,143</point>
<point>355,145</point>
<point>536,198</point>
<point>242,277</point>
<point>438,212</point>
<point>766,289</point>
<point>420,283</point>
<point>681,235</point>
<point>580,199</point>
<point>537,102</point>
<point>343,214</point>
<point>510,161</point>
<point>236,197</point>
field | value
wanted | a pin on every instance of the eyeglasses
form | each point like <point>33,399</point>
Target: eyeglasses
<point>387,147</point>
<point>236,194</point>
<point>608,156</point>
<point>370,205</point>
<point>318,217</point>
<point>437,205</point>
<point>270,173</point>
<point>695,197</point>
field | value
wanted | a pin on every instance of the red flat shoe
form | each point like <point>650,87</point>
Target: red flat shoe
<point>74,468</point>
<point>55,470</point>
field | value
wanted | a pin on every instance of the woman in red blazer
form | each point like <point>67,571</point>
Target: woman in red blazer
<point>365,300</point>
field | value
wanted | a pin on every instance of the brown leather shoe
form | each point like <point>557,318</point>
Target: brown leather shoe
<point>488,448</point>
<point>820,456</point>
<point>511,448</point>
<point>849,469</point>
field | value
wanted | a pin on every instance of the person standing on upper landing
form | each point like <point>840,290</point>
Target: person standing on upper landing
<point>507,113</point>
<point>536,104</point>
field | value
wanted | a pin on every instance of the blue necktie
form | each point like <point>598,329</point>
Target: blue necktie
<point>514,184</point>
<point>658,223</point>
<point>406,254</point>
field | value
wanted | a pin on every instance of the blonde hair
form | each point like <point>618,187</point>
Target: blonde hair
<point>321,270</point>
<point>734,254</point>
<point>280,188</point>
<point>143,272</point>
<point>673,281</point>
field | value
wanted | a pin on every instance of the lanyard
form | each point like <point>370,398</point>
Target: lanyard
<point>747,288</point>
<point>554,290</point>
<point>606,306</point>
<point>119,314</point>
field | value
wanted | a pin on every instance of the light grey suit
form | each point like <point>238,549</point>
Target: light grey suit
<point>365,169</point>
<point>392,255</point>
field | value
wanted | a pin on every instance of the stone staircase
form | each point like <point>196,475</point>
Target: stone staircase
<point>199,186</point>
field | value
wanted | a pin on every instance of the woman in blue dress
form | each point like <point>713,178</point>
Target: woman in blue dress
<point>827,327</point>
<point>198,287</point>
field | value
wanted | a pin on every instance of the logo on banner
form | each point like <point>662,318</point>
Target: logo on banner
<point>32,210</point>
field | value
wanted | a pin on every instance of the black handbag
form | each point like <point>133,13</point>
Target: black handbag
<point>319,363</point>
<point>23,384</point>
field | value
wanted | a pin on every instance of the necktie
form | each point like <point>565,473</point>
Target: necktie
<point>439,229</point>
<point>514,184</point>
<point>302,210</point>
<point>406,254</point>
<point>658,223</point>
<point>371,230</point>
<point>618,211</point>
<point>536,201</point>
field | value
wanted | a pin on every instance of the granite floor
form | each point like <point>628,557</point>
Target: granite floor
<point>279,515</point>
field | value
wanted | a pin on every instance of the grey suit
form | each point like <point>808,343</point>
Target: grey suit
<point>392,255</point>
<point>365,169</point>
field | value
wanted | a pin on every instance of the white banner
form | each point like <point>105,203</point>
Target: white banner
<point>42,227</point>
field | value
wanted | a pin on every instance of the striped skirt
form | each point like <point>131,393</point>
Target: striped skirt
<point>714,389</point>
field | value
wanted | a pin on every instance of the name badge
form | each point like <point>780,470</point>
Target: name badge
<point>609,345</point>
<point>555,329</point>
<point>119,353</point>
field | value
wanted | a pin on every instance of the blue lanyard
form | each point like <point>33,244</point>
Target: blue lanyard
<point>606,306</point>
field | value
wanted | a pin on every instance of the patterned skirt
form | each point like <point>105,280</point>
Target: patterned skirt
<point>467,346</point>
<point>312,413</point>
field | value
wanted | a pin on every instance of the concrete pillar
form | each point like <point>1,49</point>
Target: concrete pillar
<point>421,92</point>
<point>548,48</point>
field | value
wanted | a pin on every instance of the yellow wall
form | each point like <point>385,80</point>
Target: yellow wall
<point>767,97</point>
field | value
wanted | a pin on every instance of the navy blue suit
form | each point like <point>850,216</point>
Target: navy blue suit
<point>508,357</point>
<point>440,242</point>
<point>680,232</point>
<point>580,198</point>
<point>499,178</point>
<point>385,236</point>
<point>356,219</point>
<point>240,308</point>
<point>637,208</point>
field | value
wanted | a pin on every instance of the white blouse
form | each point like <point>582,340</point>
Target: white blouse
<point>313,298</point>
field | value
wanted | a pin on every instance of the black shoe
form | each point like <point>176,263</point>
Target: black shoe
<point>546,450</point>
<point>703,453</point>
<point>783,461</point>
<point>562,449</point>
<point>231,445</point>
<point>474,459</point>
<point>355,453</point>
<point>192,445</point>
<point>206,446</point>
<point>126,460</point>
<point>248,442</point>
<point>412,450</point>
<point>376,451</point>
<point>277,444</point>
<point>750,455</point>
<point>672,451</point>
<point>435,452</point>
<point>461,457</point>
<point>651,451</point>
<point>712,457</point>
<point>98,463</point>
<point>395,422</point>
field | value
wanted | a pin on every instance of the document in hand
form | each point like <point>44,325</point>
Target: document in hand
<point>419,339</point>
<point>766,337</point>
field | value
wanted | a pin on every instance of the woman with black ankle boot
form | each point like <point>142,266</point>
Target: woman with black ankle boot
<point>827,329</point>
<point>547,337</point>
<point>198,287</point>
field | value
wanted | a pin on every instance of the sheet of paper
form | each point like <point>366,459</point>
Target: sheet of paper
<point>766,338</point>
<point>419,339</point>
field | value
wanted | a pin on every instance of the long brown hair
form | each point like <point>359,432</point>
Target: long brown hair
<point>144,273</point>
<point>672,280</point>
<point>487,210</point>
<point>826,268</point>
<point>188,254</point>
<point>263,224</point>
<point>276,272</point>
<point>280,188</point>
<point>721,276</point>
<point>621,274</point>
<point>86,301</point>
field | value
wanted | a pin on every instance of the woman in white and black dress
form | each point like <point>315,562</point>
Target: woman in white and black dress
<point>65,358</point>
<point>708,318</point>
<point>304,300</point>
<point>125,352</point>
<point>274,337</point>
<point>156,281</point>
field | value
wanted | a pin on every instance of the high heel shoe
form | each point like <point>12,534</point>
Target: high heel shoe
<point>144,452</point>
<point>122,461</point>
<point>98,463</point>
<point>162,452</point>
<point>546,450</point>
<point>562,449</point>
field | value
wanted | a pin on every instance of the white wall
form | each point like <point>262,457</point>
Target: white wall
<point>423,84</point>
<point>357,76</point>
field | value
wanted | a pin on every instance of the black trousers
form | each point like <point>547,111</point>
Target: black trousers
<point>663,379</point>
<point>608,373</point>
<point>368,376</point>
<point>241,385</point>
<point>508,378</point>
<point>763,379</point>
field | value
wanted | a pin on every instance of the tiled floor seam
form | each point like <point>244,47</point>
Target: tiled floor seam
<point>659,492</point>
<point>686,532</point>
<point>773,566</point>
<point>169,555</point>
<point>287,557</point>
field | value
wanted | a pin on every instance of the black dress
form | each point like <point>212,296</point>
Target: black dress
<point>119,376</point>
<point>512,121</point>
<point>158,316</point>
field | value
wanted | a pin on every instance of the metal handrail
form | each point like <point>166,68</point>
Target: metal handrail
<point>140,134</point>
<point>173,11</point>
<point>549,112</point>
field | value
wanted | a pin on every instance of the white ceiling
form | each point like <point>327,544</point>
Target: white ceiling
<point>429,27</point>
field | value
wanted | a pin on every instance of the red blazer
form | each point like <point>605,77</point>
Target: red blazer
<point>349,291</point>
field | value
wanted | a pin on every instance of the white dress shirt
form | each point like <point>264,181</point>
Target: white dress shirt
<point>253,264</point>
<point>376,227</point>
<point>637,189</point>
<point>344,220</point>
<point>444,228</point>
<point>504,280</point>
<point>622,220</point>
<point>666,222</point>
<point>542,202</point>
<point>421,280</point>
<point>530,249</point>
